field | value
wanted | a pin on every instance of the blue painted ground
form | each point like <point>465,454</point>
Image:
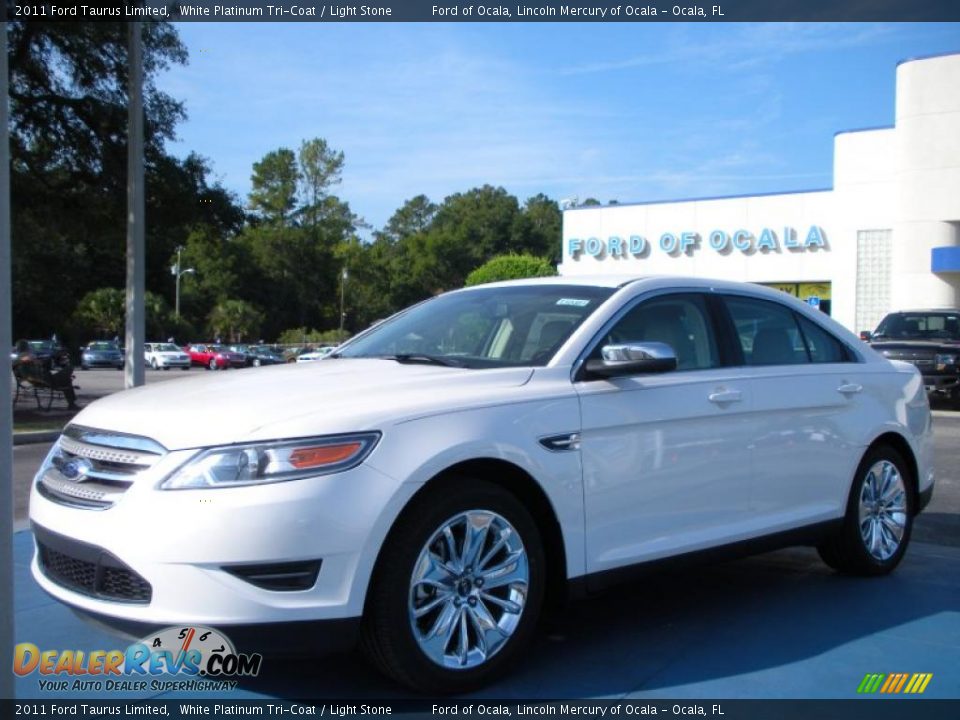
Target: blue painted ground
<point>777,626</point>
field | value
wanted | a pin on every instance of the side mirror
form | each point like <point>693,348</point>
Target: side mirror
<point>865,335</point>
<point>632,359</point>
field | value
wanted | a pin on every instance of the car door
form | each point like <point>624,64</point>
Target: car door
<point>806,391</point>
<point>666,465</point>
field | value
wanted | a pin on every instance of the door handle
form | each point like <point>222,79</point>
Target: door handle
<point>725,396</point>
<point>849,389</point>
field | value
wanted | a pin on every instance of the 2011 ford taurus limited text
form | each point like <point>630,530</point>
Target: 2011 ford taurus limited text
<point>438,479</point>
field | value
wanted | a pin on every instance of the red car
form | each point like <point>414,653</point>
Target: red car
<point>214,357</point>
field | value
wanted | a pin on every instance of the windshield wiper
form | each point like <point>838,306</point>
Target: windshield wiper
<point>419,358</point>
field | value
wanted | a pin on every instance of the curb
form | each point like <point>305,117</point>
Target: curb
<point>31,438</point>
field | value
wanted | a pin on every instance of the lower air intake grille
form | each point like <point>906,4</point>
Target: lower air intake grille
<point>279,577</point>
<point>88,569</point>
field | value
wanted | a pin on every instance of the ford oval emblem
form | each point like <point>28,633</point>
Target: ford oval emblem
<point>76,469</point>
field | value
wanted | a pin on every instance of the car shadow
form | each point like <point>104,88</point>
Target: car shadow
<point>678,628</point>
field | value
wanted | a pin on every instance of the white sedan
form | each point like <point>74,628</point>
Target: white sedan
<point>165,356</point>
<point>319,354</point>
<point>449,472</point>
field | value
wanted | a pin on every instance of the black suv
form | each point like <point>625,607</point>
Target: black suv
<point>930,339</point>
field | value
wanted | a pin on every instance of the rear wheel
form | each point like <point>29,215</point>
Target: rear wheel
<point>457,590</point>
<point>879,520</point>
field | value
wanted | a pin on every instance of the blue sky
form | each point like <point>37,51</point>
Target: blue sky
<point>633,112</point>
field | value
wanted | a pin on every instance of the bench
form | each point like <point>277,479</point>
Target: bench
<point>32,378</point>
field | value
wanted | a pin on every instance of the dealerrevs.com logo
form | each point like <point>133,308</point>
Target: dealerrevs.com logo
<point>202,659</point>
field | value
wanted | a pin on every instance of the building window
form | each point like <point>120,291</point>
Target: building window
<point>873,277</point>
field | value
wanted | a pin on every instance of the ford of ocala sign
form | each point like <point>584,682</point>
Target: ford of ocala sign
<point>687,243</point>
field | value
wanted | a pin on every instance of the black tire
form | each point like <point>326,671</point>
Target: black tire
<point>388,636</point>
<point>955,398</point>
<point>84,367</point>
<point>847,551</point>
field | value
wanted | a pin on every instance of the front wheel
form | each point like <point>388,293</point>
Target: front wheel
<point>879,520</point>
<point>457,590</point>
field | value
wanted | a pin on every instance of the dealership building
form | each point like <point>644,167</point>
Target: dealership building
<point>885,237</point>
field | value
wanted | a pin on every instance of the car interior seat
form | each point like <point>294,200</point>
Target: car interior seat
<point>667,327</point>
<point>772,346</point>
<point>552,335</point>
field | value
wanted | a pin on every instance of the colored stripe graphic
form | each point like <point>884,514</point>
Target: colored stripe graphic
<point>891,682</point>
<point>918,683</point>
<point>871,682</point>
<point>894,683</point>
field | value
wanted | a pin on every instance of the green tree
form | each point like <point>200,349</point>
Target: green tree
<point>103,311</point>
<point>68,102</point>
<point>414,216</point>
<point>273,194</point>
<point>511,267</point>
<point>235,320</point>
<point>320,168</point>
<point>538,229</point>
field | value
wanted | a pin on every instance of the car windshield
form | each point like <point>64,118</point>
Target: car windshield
<point>520,325</point>
<point>920,326</point>
<point>101,346</point>
<point>42,345</point>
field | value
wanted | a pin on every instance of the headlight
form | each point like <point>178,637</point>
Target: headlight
<point>945,359</point>
<point>269,462</point>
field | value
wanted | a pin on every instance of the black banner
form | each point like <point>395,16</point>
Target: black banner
<point>500,11</point>
<point>875,709</point>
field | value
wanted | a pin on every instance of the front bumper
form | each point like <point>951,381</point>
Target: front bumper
<point>100,362</point>
<point>181,541</point>
<point>172,363</point>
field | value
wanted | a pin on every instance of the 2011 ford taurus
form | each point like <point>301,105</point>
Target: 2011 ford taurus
<point>442,476</point>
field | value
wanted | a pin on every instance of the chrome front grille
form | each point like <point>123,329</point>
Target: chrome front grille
<point>92,469</point>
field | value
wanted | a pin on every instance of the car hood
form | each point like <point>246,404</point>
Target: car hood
<point>291,400</point>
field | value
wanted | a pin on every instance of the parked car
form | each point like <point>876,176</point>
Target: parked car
<point>446,474</point>
<point>258,355</point>
<point>165,355</point>
<point>929,339</point>
<point>316,354</point>
<point>214,357</point>
<point>41,349</point>
<point>101,353</point>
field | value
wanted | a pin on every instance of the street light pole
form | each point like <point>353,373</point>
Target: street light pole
<point>179,273</point>
<point>343,287</point>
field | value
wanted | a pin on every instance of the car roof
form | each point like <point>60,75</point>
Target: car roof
<point>644,282</point>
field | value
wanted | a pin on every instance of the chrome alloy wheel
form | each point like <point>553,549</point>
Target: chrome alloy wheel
<point>883,510</point>
<point>468,589</point>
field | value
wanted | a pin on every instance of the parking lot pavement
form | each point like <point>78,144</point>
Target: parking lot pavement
<point>780,625</point>
<point>776,626</point>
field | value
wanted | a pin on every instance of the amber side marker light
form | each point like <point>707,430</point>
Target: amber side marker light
<point>311,457</point>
